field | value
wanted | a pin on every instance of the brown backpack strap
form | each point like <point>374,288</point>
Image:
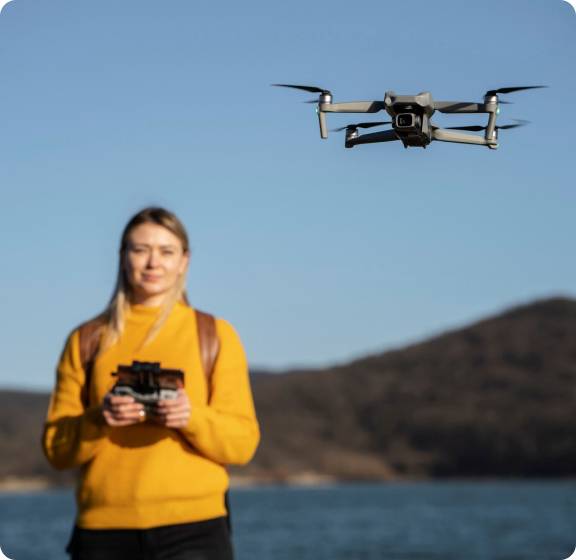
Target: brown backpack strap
<point>208,342</point>
<point>89,334</point>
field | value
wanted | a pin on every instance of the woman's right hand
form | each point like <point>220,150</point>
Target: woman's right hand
<point>122,410</point>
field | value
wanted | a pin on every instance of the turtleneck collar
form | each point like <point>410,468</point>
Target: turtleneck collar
<point>140,309</point>
<point>146,312</point>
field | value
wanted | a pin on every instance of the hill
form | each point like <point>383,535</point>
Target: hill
<point>494,399</point>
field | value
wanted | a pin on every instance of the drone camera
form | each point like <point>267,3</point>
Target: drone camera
<point>407,121</point>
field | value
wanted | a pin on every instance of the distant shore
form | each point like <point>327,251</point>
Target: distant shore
<point>15,484</point>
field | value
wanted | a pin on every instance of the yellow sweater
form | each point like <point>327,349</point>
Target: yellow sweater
<point>145,475</point>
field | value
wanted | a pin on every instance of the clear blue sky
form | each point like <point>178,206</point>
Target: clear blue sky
<point>315,253</point>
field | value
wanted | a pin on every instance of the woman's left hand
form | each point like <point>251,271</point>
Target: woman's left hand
<point>172,413</point>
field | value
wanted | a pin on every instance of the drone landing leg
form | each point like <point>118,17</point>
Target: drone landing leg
<point>322,123</point>
<point>372,138</point>
<point>491,127</point>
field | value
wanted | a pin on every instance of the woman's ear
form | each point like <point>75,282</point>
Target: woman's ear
<point>185,262</point>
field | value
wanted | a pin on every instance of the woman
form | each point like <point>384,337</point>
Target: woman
<point>152,481</point>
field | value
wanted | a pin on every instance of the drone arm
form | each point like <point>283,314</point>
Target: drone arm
<point>352,107</point>
<point>462,107</point>
<point>444,135</point>
<point>372,138</point>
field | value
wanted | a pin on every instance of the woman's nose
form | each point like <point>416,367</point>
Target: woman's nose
<point>153,259</point>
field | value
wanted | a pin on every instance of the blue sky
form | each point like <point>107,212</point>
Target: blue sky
<point>315,253</point>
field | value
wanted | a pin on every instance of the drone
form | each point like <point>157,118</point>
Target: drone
<point>412,118</point>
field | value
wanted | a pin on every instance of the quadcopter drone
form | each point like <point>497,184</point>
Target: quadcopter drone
<point>412,117</point>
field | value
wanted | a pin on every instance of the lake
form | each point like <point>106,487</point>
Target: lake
<point>497,520</point>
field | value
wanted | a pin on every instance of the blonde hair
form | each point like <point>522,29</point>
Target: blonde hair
<point>114,315</point>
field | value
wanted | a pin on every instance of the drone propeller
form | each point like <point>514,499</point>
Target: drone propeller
<point>311,89</point>
<point>324,98</point>
<point>511,89</point>
<point>471,128</point>
<point>477,128</point>
<point>519,123</point>
<point>360,125</point>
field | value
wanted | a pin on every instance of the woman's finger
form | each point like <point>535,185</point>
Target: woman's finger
<point>178,414</point>
<point>167,413</point>
<point>119,399</point>
<point>134,413</point>
<point>180,423</point>
<point>176,404</point>
<point>167,420</point>
<point>126,408</point>
<point>177,420</point>
<point>113,420</point>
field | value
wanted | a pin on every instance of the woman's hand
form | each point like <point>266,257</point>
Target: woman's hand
<point>122,410</point>
<point>173,413</point>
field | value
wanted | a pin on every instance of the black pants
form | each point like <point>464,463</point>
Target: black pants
<point>203,540</point>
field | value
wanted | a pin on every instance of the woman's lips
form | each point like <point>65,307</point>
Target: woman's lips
<point>150,278</point>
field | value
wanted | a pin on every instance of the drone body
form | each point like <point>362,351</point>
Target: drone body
<point>412,118</point>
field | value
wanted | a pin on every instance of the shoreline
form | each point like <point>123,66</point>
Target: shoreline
<point>22,485</point>
<point>17,485</point>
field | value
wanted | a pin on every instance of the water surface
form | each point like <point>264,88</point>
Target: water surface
<point>409,521</point>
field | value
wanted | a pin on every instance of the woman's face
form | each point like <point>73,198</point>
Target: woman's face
<point>153,262</point>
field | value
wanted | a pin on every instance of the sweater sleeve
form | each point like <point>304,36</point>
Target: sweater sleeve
<point>72,433</point>
<point>226,430</point>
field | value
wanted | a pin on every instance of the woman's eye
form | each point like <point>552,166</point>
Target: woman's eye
<point>138,251</point>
